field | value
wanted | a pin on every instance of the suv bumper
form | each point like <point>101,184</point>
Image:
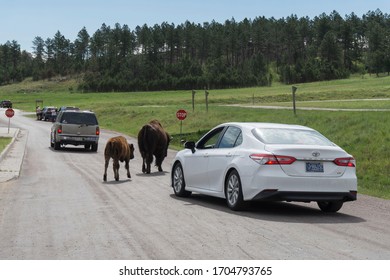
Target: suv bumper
<point>78,140</point>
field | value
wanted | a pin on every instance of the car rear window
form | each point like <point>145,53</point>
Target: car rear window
<point>290,136</point>
<point>79,118</point>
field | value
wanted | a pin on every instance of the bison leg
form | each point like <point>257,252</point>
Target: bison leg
<point>148,168</point>
<point>149,161</point>
<point>116,170</point>
<point>143,166</point>
<point>107,160</point>
<point>127,166</point>
<point>159,160</point>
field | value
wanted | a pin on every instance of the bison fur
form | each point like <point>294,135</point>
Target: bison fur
<point>118,149</point>
<point>153,140</point>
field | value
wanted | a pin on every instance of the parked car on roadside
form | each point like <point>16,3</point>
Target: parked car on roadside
<point>75,127</point>
<point>6,104</point>
<point>244,162</point>
<point>48,112</point>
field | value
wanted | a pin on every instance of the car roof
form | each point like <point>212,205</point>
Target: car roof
<point>78,111</point>
<point>252,125</point>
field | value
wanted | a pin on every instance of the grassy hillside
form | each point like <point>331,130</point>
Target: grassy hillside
<point>366,134</point>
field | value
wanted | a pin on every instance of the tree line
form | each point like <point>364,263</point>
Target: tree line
<point>210,55</point>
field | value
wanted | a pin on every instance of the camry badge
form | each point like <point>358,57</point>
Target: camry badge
<point>316,154</point>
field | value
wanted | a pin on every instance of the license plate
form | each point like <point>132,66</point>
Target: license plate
<point>89,139</point>
<point>314,167</point>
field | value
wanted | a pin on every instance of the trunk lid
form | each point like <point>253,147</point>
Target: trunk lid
<point>311,161</point>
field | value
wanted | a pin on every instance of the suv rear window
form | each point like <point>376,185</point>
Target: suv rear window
<point>79,118</point>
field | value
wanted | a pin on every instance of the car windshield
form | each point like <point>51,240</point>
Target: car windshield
<point>290,136</point>
<point>79,118</point>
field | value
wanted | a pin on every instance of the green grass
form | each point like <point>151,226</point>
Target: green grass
<point>4,141</point>
<point>363,134</point>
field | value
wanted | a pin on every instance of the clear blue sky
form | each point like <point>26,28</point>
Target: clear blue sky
<point>23,20</point>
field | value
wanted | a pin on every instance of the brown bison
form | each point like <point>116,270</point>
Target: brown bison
<point>118,149</point>
<point>153,141</point>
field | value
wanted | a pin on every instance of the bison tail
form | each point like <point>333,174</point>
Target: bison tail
<point>148,140</point>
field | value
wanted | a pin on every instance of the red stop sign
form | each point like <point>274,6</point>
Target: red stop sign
<point>181,114</point>
<point>9,112</point>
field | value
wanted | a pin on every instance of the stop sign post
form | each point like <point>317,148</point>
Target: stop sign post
<point>181,115</point>
<point>9,113</point>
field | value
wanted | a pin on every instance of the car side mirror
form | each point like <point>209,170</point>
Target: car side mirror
<point>190,145</point>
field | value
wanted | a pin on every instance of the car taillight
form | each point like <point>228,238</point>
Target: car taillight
<point>97,131</point>
<point>269,159</point>
<point>59,129</point>
<point>348,162</point>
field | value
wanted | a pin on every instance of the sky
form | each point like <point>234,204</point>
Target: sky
<point>23,20</point>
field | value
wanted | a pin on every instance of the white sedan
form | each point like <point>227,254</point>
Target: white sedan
<point>242,162</point>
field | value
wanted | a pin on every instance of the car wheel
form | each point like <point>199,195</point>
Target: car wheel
<point>94,147</point>
<point>54,144</point>
<point>233,191</point>
<point>57,145</point>
<point>330,206</point>
<point>178,182</point>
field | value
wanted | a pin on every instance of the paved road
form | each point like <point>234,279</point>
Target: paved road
<point>60,208</point>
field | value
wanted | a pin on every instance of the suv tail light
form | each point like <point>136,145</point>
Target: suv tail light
<point>269,159</point>
<point>97,131</point>
<point>59,129</point>
<point>348,162</point>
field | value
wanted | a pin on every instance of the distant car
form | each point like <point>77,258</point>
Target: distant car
<point>6,104</point>
<point>266,162</point>
<point>75,127</point>
<point>63,108</point>
<point>48,113</point>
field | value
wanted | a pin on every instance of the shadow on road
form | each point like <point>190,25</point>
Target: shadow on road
<point>75,150</point>
<point>284,212</point>
<point>113,182</point>
<point>152,174</point>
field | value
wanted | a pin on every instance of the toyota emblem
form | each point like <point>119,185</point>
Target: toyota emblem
<point>316,154</point>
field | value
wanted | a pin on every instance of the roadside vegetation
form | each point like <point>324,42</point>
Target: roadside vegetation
<point>252,52</point>
<point>4,141</point>
<point>365,135</point>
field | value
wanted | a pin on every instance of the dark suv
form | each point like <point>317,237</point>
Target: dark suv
<point>6,104</point>
<point>75,127</point>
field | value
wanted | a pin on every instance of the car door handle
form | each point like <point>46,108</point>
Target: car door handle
<point>229,155</point>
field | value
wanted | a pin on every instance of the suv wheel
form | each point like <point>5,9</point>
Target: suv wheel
<point>57,145</point>
<point>94,147</point>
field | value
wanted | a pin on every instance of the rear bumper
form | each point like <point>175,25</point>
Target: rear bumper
<point>79,140</point>
<point>276,195</point>
<point>273,184</point>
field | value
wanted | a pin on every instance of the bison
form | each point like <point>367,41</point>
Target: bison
<point>153,141</point>
<point>118,149</point>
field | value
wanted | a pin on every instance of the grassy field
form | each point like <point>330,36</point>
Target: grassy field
<point>4,141</point>
<point>364,134</point>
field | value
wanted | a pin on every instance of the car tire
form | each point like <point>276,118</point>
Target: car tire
<point>178,182</point>
<point>330,206</point>
<point>94,147</point>
<point>54,144</point>
<point>57,145</point>
<point>233,191</point>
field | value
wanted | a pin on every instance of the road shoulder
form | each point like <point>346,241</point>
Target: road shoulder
<point>12,156</point>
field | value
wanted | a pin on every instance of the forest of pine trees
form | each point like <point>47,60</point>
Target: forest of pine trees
<point>211,55</point>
